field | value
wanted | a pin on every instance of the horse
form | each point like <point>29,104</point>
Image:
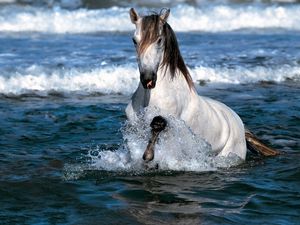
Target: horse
<point>166,84</point>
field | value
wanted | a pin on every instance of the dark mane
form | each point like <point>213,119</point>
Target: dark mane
<point>172,59</point>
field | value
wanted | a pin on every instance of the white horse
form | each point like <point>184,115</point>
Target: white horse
<point>166,84</point>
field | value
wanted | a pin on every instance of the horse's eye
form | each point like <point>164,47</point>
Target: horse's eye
<point>134,41</point>
<point>159,41</point>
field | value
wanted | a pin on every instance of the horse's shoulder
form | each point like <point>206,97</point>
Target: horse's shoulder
<point>216,105</point>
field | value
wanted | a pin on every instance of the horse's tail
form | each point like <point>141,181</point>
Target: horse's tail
<point>254,144</point>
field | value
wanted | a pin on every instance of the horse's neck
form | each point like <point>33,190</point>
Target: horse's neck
<point>171,95</point>
<point>166,85</point>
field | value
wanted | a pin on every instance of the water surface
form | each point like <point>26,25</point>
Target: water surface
<point>64,89</point>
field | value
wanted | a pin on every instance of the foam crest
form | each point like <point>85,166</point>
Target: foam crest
<point>227,18</point>
<point>244,75</point>
<point>211,18</point>
<point>57,20</point>
<point>178,149</point>
<point>106,80</point>
<point>124,79</point>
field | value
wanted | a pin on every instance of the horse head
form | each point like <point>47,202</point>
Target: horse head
<point>149,41</point>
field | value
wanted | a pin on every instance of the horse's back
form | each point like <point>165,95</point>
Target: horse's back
<point>220,126</point>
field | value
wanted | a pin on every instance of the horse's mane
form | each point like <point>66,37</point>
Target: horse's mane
<point>172,58</point>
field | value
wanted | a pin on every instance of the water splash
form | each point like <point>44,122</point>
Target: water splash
<point>178,149</point>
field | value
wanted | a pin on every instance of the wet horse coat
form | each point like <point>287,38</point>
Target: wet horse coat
<point>166,85</point>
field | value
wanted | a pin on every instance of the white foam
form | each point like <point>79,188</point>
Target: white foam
<point>177,149</point>
<point>124,79</point>
<point>57,20</point>
<point>106,80</point>
<point>227,18</point>
<point>211,18</point>
<point>240,75</point>
<point>7,1</point>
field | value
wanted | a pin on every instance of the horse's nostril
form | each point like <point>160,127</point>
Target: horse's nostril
<point>150,84</point>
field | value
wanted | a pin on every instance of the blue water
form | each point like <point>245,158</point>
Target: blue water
<point>62,102</point>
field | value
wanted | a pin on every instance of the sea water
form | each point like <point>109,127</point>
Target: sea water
<point>67,153</point>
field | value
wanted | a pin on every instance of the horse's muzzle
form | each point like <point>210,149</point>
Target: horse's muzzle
<point>148,80</point>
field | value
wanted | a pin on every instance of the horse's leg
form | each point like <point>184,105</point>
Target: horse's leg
<point>158,124</point>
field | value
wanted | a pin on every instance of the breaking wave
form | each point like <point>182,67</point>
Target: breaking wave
<point>124,79</point>
<point>208,18</point>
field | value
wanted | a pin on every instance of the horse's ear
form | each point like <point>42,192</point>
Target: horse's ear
<point>133,15</point>
<point>164,14</point>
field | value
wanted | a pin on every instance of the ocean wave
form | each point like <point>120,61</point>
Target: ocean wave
<point>92,4</point>
<point>124,79</point>
<point>107,80</point>
<point>241,75</point>
<point>184,18</point>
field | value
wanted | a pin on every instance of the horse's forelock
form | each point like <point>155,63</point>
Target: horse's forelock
<point>150,31</point>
